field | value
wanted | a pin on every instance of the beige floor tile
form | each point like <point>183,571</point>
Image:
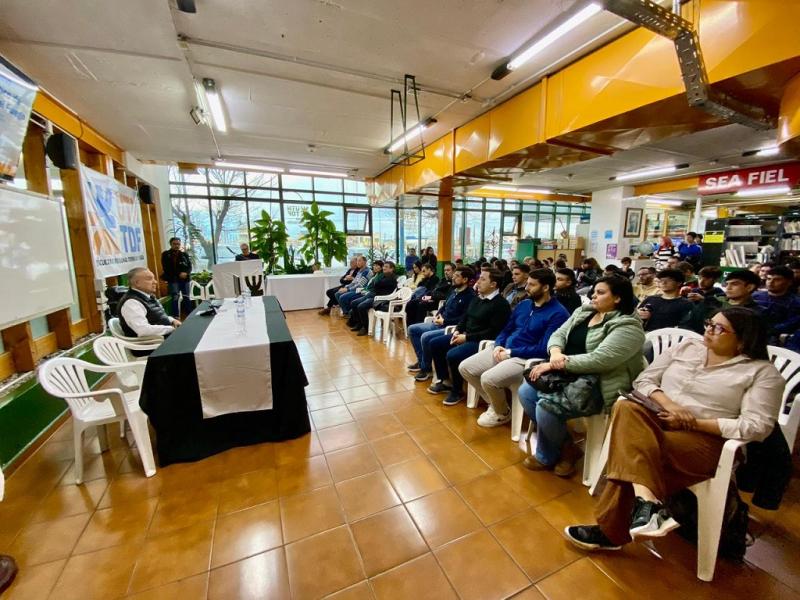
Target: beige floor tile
<point>260,577</point>
<point>414,417</point>
<point>420,579</point>
<point>443,517</point>
<point>562,584</point>
<point>352,462</point>
<point>536,487</point>
<point>435,438</point>
<point>45,542</point>
<point>356,394</point>
<point>326,400</point>
<point>359,591</point>
<point>498,451</point>
<point>303,476</point>
<point>387,539</point>
<point>340,437</point>
<point>415,478</point>
<point>330,417</point>
<point>249,489</point>
<point>188,589</point>
<point>245,533</point>
<point>491,498</point>
<point>178,510</point>
<point>131,487</point>
<point>297,450</point>
<point>126,523</point>
<point>68,500</point>
<point>303,515</point>
<point>459,464</point>
<point>35,582</point>
<point>380,426</point>
<point>366,495</point>
<point>395,449</point>
<point>97,575</point>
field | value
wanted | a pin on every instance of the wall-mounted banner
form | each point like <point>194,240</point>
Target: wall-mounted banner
<point>114,220</point>
<point>17,93</point>
<point>768,176</point>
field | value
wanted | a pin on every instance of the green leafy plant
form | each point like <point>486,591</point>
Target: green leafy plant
<point>290,267</point>
<point>202,278</point>
<point>269,239</point>
<point>321,239</point>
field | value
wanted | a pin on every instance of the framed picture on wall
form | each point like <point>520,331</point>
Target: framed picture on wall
<point>633,222</point>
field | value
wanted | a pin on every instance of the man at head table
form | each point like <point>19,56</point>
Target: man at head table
<point>246,253</point>
<point>140,313</point>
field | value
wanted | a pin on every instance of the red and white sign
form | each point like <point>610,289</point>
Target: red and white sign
<point>749,179</point>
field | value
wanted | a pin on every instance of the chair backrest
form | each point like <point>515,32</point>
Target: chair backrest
<point>663,339</point>
<point>115,327</point>
<point>114,351</point>
<point>196,291</point>
<point>401,280</point>
<point>62,377</point>
<point>585,300</point>
<point>210,291</point>
<point>788,364</point>
<point>398,305</point>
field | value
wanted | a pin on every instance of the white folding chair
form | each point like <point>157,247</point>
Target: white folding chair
<point>664,339</point>
<point>115,352</point>
<point>371,314</point>
<point>209,291</point>
<point>196,291</point>
<point>395,311</point>
<point>115,327</point>
<point>66,378</point>
<point>401,281</point>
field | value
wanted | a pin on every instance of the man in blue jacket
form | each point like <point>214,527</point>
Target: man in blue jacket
<point>421,334</point>
<point>525,336</point>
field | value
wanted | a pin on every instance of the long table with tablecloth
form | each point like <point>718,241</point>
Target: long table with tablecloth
<point>299,292</point>
<point>193,418</point>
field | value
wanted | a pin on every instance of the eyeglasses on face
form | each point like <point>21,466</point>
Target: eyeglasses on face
<point>716,328</point>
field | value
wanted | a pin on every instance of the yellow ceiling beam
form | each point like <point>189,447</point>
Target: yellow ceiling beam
<point>665,187</point>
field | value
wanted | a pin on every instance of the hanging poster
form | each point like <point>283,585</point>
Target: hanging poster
<point>611,250</point>
<point>114,221</point>
<point>17,93</point>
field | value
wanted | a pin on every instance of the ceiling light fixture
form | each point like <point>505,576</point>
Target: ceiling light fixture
<point>768,151</point>
<point>665,202</point>
<point>542,42</point>
<point>214,104</point>
<point>224,164</point>
<point>765,191</point>
<point>318,173</point>
<point>649,173</point>
<point>415,131</point>
<point>512,190</point>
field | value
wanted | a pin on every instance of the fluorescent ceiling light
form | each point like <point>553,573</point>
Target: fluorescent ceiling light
<point>537,46</point>
<point>772,151</point>
<point>320,173</point>
<point>648,173</point>
<point>665,202</point>
<point>215,105</point>
<point>415,131</point>
<point>766,191</point>
<point>224,164</point>
<point>512,190</point>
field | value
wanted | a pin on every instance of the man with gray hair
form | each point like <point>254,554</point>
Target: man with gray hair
<point>140,313</point>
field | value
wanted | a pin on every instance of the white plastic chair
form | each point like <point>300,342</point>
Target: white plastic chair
<point>401,281</point>
<point>585,300</point>
<point>664,339</point>
<point>196,291</point>
<point>395,311</point>
<point>210,292</point>
<point>66,378</point>
<point>115,352</point>
<point>371,314</point>
<point>115,327</point>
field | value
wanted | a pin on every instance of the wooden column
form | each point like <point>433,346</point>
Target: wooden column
<point>81,251</point>
<point>19,342</point>
<point>60,323</point>
<point>35,162</point>
<point>444,248</point>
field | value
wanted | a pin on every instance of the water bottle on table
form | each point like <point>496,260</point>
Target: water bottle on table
<point>241,319</point>
<point>247,295</point>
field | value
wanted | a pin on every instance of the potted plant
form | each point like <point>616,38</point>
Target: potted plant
<point>269,239</point>
<point>321,238</point>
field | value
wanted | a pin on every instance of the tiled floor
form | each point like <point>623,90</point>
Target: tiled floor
<point>392,496</point>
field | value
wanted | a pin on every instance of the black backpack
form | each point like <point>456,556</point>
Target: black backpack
<point>734,539</point>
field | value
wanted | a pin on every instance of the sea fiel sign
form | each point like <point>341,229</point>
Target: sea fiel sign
<point>114,220</point>
<point>750,179</point>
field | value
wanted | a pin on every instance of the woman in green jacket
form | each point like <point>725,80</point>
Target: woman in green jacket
<point>604,339</point>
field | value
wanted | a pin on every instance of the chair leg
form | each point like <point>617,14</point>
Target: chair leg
<point>141,435</point>
<point>472,397</point>
<point>711,496</point>
<point>102,437</point>
<point>602,460</point>
<point>77,438</point>
<point>516,416</point>
<point>595,432</point>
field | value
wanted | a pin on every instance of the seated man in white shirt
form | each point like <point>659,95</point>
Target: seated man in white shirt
<point>140,313</point>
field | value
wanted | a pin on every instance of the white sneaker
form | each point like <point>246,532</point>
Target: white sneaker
<point>491,419</point>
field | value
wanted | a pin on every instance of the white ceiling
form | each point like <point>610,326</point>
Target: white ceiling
<point>306,71</point>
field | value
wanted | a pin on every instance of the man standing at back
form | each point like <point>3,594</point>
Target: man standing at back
<point>690,251</point>
<point>525,336</point>
<point>140,313</point>
<point>177,270</point>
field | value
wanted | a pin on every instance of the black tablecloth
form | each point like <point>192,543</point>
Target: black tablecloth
<point>171,396</point>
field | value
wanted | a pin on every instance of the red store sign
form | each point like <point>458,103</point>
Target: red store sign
<point>748,179</point>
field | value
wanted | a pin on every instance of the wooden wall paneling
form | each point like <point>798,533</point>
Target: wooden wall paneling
<point>19,342</point>
<point>45,345</point>
<point>60,323</point>
<point>79,329</point>
<point>6,365</point>
<point>34,160</point>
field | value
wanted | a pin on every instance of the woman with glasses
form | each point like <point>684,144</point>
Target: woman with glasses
<point>706,391</point>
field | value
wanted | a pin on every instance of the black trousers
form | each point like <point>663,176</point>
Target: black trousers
<point>331,294</point>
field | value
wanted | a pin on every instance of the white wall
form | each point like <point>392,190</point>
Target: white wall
<point>608,215</point>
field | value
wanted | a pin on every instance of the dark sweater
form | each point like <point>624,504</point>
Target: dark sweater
<point>569,299</point>
<point>441,291</point>
<point>666,312</point>
<point>385,286</point>
<point>484,319</point>
<point>429,283</point>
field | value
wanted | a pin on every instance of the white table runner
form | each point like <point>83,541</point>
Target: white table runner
<point>233,369</point>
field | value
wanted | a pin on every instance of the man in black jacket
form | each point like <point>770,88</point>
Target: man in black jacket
<point>345,279</point>
<point>485,318</point>
<point>417,308</point>
<point>177,270</point>
<point>359,313</point>
<point>565,290</point>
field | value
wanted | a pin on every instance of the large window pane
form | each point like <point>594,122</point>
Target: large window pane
<point>229,227</point>
<point>264,194</point>
<point>473,244</point>
<point>384,233</point>
<point>354,187</point>
<point>192,223</point>
<point>254,209</point>
<point>429,221</point>
<point>492,234</point>
<point>327,184</point>
<point>528,225</point>
<point>545,228</point>
<point>356,200</point>
<point>458,233</point>
<point>260,179</point>
<point>291,215</point>
<point>409,231</point>
<point>296,182</point>
<point>292,196</point>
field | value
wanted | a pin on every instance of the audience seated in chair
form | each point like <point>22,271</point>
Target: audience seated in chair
<point>705,297</point>
<point>739,289</point>
<point>494,370</point>
<point>780,306</point>
<point>421,334</point>
<point>140,313</point>
<point>415,276</point>
<point>646,284</point>
<point>722,387</point>
<point>485,317</point>
<point>516,291</point>
<point>383,286</point>
<point>565,289</point>
<point>626,267</point>
<point>668,309</point>
<point>345,280</point>
<point>588,274</point>
<point>602,340</point>
<point>417,308</point>
<point>353,290</point>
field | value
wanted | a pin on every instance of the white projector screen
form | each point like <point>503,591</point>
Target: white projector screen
<point>34,261</point>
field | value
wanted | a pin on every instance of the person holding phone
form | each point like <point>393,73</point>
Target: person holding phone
<point>668,309</point>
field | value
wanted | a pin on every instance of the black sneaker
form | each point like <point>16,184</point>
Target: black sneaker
<point>423,376</point>
<point>453,398</point>
<point>362,332</point>
<point>589,537</point>
<point>439,388</point>
<point>414,368</point>
<point>651,519</point>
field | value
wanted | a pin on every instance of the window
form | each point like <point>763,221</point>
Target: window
<point>510,224</point>
<point>356,221</point>
<point>296,182</point>
<point>473,230</point>
<point>384,233</point>
<point>492,231</point>
<point>192,221</point>
<point>328,184</point>
<point>291,216</point>
<point>458,231</point>
<point>429,229</point>
<point>229,224</point>
<point>409,231</point>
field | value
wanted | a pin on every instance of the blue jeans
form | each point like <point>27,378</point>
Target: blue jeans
<point>359,311</point>
<point>175,288</point>
<point>345,299</point>
<point>446,359</point>
<point>421,335</point>
<point>552,430</point>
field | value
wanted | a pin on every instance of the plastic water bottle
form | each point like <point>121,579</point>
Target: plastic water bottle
<point>241,319</point>
<point>247,295</point>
